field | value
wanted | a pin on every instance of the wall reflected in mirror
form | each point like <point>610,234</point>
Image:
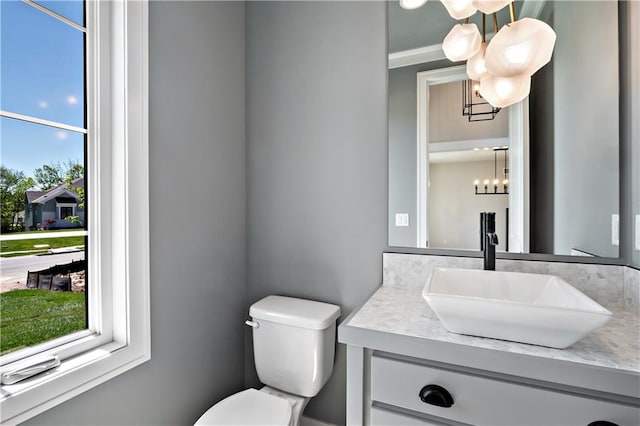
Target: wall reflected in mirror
<point>464,155</point>
<point>563,172</point>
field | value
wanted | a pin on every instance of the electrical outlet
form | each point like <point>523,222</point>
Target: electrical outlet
<point>638,232</point>
<point>402,219</point>
<point>615,229</point>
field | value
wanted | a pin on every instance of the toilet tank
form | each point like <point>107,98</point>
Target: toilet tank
<point>294,343</point>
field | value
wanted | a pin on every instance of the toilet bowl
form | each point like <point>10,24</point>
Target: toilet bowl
<point>293,346</point>
<point>264,407</point>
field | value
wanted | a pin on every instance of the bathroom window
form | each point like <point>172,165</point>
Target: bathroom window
<point>44,142</point>
<point>94,56</point>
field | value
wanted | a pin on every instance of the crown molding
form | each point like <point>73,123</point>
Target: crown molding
<point>416,56</point>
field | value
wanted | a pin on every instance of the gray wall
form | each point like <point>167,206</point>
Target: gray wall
<point>541,147</point>
<point>586,127</point>
<point>317,160</point>
<point>446,122</point>
<point>454,209</point>
<point>197,156</point>
<point>630,129</point>
<point>633,87</point>
<point>402,150</point>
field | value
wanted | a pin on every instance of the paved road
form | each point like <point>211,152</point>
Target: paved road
<point>14,269</point>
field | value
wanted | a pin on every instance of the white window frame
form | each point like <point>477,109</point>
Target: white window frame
<point>119,335</point>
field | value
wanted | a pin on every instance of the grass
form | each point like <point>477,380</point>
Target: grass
<point>25,245</point>
<point>29,317</point>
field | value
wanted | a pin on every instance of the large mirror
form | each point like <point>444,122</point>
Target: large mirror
<point>548,166</point>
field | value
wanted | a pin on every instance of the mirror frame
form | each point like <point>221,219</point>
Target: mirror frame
<point>626,34</point>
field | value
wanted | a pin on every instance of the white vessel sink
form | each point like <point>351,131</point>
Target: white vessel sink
<point>529,308</point>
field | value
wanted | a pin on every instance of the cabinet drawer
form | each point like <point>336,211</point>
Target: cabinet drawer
<point>483,401</point>
<point>382,417</point>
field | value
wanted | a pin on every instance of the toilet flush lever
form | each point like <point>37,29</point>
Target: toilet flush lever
<point>253,324</point>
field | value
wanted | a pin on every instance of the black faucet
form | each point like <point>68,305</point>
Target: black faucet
<point>488,240</point>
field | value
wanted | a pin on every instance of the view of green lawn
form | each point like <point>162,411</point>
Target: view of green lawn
<point>30,244</point>
<point>33,316</point>
<point>30,317</point>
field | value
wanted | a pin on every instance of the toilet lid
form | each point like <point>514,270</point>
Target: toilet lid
<point>249,407</point>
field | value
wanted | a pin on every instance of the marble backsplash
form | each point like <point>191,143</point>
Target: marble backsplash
<point>632,289</point>
<point>613,286</point>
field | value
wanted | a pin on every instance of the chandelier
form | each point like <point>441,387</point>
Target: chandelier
<point>474,107</point>
<point>503,66</point>
<point>496,181</point>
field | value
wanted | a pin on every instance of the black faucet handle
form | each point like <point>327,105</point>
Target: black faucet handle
<point>493,238</point>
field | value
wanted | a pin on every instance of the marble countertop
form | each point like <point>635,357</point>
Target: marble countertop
<point>403,312</point>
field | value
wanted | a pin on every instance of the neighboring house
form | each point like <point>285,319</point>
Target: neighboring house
<point>48,209</point>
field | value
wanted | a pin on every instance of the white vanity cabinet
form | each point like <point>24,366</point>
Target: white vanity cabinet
<point>396,385</point>
<point>398,355</point>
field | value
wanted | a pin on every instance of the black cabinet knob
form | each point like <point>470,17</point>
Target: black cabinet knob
<point>437,395</point>
<point>602,423</point>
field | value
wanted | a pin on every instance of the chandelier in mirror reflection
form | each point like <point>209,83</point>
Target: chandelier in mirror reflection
<point>493,187</point>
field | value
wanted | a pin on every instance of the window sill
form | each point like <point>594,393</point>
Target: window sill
<point>26,399</point>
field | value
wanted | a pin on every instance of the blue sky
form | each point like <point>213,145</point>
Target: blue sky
<point>41,76</point>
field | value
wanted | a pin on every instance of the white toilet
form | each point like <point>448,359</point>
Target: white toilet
<point>293,347</point>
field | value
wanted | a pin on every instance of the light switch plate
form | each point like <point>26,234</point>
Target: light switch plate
<point>615,229</point>
<point>638,232</point>
<point>402,219</point>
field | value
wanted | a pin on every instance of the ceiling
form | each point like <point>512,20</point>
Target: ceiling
<point>429,24</point>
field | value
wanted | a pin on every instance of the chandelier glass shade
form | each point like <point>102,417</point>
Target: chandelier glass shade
<point>474,106</point>
<point>522,47</point>
<point>504,91</point>
<point>462,42</point>
<point>412,4</point>
<point>503,66</point>
<point>476,67</point>
<point>459,9</point>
